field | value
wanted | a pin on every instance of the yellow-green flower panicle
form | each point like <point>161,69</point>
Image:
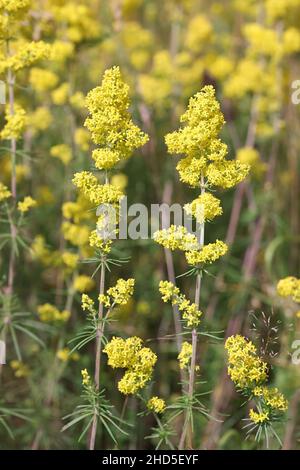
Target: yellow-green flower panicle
<point>258,418</point>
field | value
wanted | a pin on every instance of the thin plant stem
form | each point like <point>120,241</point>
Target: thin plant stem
<point>98,354</point>
<point>191,385</point>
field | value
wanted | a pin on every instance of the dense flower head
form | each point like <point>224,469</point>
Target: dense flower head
<point>110,122</point>
<point>185,355</point>
<point>96,193</point>
<point>119,294</point>
<point>204,208</point>
<point>198,140</point>
<point>245,368</point>
<point>156,404</point>
<point>190,313</point>
<point>15,123</point>
<point>28,54</point>
<point>206,254</point>
<point>138,361</point>
<point>14,6</point>
<point>176,237</point>
<point>289,287</point>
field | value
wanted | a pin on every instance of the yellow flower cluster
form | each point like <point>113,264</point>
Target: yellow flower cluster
<point>26,204</point>
<point>14,7</point>
<point>249,373</point>
<point>138,361</point>
<point>63,152</point>
<point>207,254</point>
<point>104,245</point>
<point>64,355</point>
<point>190,312</point>
<point>251,157</point>
<point>88,304</point>
<point>83,283</point>
<point>78,235</point>
<point>185,355</point>
<point>42,80</point>
<point>110,122</point>
<point>49,313</point>
<point>204,208</point>
<point>119,294</point>
<point>205,152</point>
<point>15,123</point>
<point>28,54</point>
<point>258,418</point>
<point>289,287</point>
<point>4,192</point>
<point>21,369</point>
<point>95,192</point>
<point>272,397</point>
<point>85,377</point>
<point>245,368</point>
<point>176,237</point>
<point>157,405</point>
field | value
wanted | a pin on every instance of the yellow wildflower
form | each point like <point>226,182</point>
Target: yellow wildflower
<point>157,405</point>
<point>258,418</point>
<point>207,254</point>
<point>63,152</point>
<point>26,204</point>
<point>205,208</point>
<point>190,312</point>
<point>176,238</point>
<point>4,192</point>
<point>49,313</point>
<point>21,369</point>
<point>85,377</point>
<point>185,355</point>
<point>83,283</point>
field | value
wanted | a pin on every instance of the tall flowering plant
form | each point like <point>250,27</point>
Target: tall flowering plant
<point>205,167</point>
